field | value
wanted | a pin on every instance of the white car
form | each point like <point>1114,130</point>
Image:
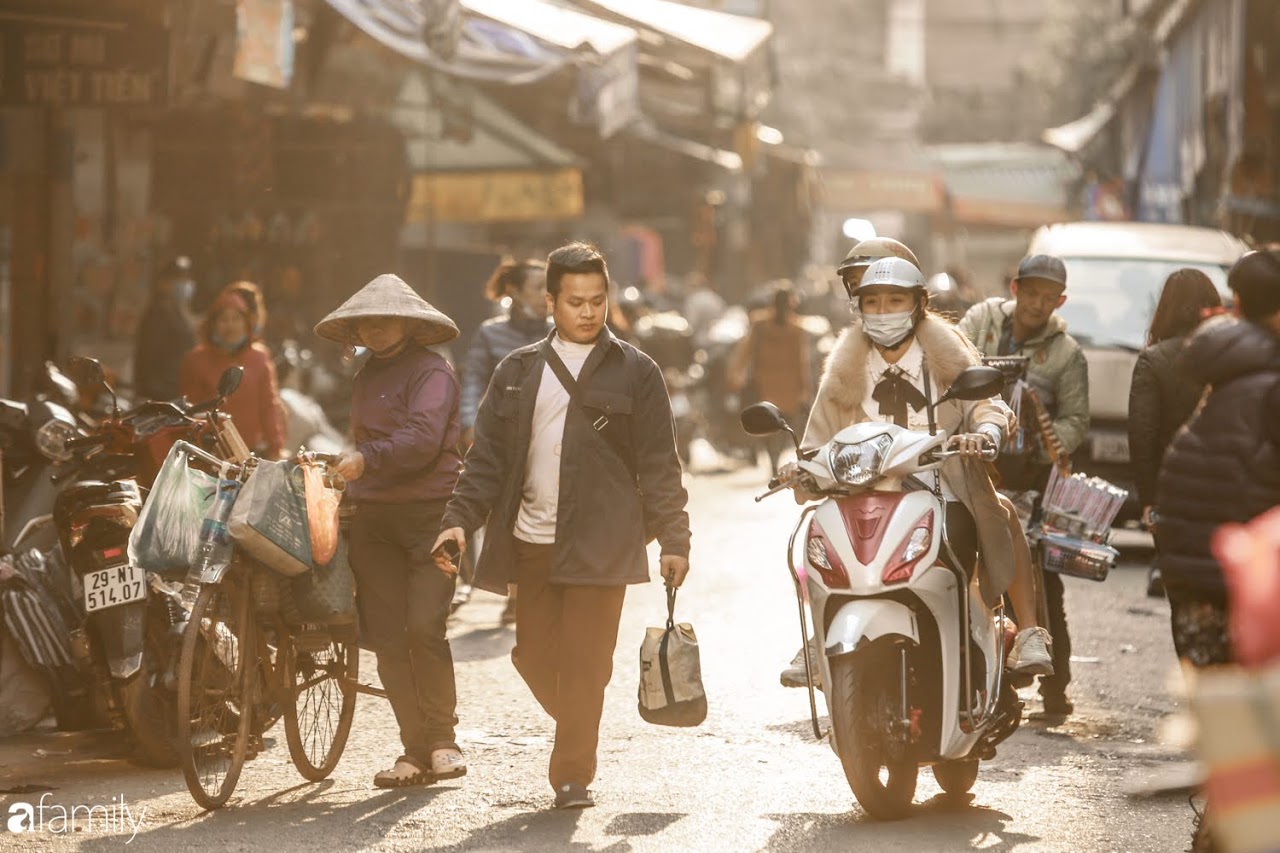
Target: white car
<point>1115,272</point>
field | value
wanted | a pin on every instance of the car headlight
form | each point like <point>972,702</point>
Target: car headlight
<point>52,438</point>
<point>858,464</point>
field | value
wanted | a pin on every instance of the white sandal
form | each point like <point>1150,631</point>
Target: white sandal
<point>448,763</point>
<point>404,774</point>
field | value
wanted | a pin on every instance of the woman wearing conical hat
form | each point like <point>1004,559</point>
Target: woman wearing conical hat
<point>404,417</point>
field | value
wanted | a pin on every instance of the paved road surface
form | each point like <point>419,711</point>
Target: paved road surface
<point>750,778</point>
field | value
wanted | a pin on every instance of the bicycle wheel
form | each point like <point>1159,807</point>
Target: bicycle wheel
<point>215,691</point>
<point>320,674</point>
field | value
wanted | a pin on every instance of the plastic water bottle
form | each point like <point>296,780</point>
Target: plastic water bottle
<point>215,542</point>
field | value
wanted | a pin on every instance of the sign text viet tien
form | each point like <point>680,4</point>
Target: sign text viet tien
<point>81,63</point>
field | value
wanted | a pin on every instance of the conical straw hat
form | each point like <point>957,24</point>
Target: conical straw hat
<point>388,296</point>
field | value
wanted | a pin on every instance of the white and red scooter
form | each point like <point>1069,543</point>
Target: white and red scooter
<point>911,659</point>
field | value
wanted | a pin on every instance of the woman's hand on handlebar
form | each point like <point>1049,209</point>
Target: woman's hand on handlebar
<point>971,444</point>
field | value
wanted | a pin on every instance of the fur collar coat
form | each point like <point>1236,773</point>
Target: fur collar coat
<point>947,352</point>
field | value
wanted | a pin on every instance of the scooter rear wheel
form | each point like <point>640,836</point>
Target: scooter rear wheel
<point>865,690</point>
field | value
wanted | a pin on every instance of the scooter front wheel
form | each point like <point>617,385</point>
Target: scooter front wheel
<point>956,777</point>
<point>865,691</point>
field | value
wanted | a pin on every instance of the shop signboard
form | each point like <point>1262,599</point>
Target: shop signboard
<point>264,42</point>
<point>865,190</point>
<point>505,196</point>
<point>84,61</point>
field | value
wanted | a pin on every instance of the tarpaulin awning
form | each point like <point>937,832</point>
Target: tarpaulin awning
<point>605,56</point>
<point>556,25</point>
<point>484,50</point>
<point>492,137</point>
<point>1074,136</point>
<point>648,131</point>
<point>732,37</point>
<point>519,43</point>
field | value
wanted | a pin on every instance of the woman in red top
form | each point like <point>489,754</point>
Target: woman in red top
<point>227,339</point>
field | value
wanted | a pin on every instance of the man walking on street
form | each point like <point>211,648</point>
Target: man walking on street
<point>1027,326</point>
<point>573,469</point>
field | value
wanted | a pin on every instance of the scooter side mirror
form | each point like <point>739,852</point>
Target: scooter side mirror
<point>230,381</point>
<point>762,419</point>
<point>975,383</point>
<point>87,372</point>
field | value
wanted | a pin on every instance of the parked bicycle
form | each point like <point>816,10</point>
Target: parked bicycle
<point>248,659</point>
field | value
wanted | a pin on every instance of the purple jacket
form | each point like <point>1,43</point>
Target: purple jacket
<point>404,415</point>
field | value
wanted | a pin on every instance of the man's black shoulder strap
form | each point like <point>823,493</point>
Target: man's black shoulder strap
<point>601,423</point>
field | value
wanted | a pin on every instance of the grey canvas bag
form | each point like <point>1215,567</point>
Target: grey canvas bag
<point>671,692</point>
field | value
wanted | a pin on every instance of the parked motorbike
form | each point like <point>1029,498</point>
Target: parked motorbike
<point>913,661</point>
<point>129,637</point>
<point>33,439</point>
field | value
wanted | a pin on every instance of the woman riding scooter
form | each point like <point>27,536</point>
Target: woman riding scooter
<point>879,371</point>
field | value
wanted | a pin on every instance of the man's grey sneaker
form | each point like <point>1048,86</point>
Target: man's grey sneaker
<point>793,675</point>
<point>1030,655</point>
<point>573,797</point>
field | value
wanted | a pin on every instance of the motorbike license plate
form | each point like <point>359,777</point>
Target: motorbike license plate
<point>1110,447</point>
<point>114,586</point>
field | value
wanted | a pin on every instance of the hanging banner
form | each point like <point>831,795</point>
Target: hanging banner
<point>264,42</point>
<point>81,62</point>
<point>496,196</point>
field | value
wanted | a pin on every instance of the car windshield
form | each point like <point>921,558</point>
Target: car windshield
<point>1110,300</point>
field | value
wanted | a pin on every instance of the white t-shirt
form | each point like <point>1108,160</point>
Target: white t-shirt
<point>536,521</point>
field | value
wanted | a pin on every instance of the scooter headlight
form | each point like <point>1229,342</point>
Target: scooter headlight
<point>858,464</point>
<point>52,438</point>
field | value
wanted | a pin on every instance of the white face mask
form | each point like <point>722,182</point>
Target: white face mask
<point>889,330</point>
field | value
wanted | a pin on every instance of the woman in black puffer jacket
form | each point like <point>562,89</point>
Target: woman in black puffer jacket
<point>524,283</point>
<point>1225,466</point>
<point>1162,398</point>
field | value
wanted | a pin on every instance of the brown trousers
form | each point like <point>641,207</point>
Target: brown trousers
<point>565,637</point>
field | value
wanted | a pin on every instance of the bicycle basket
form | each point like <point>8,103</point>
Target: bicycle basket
<point>1078,558</point>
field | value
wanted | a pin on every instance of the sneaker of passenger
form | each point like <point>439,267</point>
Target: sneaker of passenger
<point>460,597</point>
<point>1057,705</point>
<point>1030,655</point>
<point>573,797</point>
<point>1155,583</point>
<point>794,674</point>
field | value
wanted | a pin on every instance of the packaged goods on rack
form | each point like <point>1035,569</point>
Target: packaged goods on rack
<point>1082,506</point>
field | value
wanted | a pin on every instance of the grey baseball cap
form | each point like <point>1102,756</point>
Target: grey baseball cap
<point>1046,267</point>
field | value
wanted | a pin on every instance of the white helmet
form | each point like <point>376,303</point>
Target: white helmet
<point>892,272</point>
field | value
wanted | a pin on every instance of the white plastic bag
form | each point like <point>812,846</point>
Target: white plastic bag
<point>167,535</point>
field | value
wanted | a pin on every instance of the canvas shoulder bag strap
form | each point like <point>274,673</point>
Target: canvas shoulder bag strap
<point>664,666</point>
<point>575,396</point>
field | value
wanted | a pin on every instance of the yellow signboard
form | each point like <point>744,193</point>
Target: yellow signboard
<point>496,196</point>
